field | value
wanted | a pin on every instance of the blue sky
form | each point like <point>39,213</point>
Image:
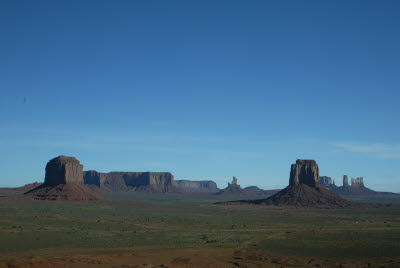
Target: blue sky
<point>203,89</point>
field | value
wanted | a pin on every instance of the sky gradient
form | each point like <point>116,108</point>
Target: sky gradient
<point>203,89</point>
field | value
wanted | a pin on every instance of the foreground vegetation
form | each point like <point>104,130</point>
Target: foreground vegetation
<point>138,222</point>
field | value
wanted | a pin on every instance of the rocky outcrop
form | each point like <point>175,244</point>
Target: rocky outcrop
<point>197,186</point>
<point>304,172</point>
<point>357,183</point>
<point>63,170</point>
<point>93,177</point>
<point>303,195</point>
<point>234,181</point>
<point>233,189</point>
<point>345,181</point>
<point>64,192</point>
<point>151,182</point>
<point>63,182</point>
<point>357,187</point>
<point>325,181</point>
<point>303,190</point>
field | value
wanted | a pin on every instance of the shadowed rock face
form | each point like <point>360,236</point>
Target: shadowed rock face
<point>304,172</point>
<point>63,170</point>
<point>63,182</point>
<point>303,190</point>
<point>155,182</point>
<point>93,177</point>
<point>325,181</point>
<point>345,181</point>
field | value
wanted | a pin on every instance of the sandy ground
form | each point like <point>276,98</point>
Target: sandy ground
<point>174,257</point>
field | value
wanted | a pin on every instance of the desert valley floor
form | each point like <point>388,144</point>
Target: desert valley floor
<point>180,230</point>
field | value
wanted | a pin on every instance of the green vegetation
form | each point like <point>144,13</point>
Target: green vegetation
<point>136,220</point>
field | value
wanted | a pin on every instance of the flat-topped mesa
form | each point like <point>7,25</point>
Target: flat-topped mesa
<point>304,172</point>
<point>154,182</point>
<point>63,170</point>
<point>196,186</point>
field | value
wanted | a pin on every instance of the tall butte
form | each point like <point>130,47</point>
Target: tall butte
<point>304,172</point>
<point>63,182</point>
<point>303,190</point>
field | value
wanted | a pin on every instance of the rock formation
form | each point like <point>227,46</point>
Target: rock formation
<point>233,189</point>
<point>63,181</point>
<point>345,181</point>
<point>357,183</point>
<point>234,181</point>
<point>63,170</point>
<point>325,181</point>
<point>151,182</point>
<point>305,172</point>
<point>197,186</point>
<point>303,190</point>
<point>356,188</point>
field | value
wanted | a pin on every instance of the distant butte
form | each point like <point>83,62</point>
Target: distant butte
<point>197,186</point>
<point>303,190</point>
<point>356,187</point>
<point>63,182</point>
<point>232,189</point>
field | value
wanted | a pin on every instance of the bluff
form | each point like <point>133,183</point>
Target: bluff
<point>150,182</point>
<point>304,190</point>
<point>197,186</point>
<point>64,182</point>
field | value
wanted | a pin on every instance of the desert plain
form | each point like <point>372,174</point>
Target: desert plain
<point>130,229</point>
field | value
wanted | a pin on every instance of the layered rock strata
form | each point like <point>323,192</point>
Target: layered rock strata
<point>304,172</point>
<point>63,182</point>
<point>303,190</point>
<point>152,182</point>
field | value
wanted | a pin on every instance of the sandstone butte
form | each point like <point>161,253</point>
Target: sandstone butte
<point>303,190</point>
<point>63,182</point>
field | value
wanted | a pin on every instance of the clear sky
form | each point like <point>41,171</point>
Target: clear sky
<point>203,89</point>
